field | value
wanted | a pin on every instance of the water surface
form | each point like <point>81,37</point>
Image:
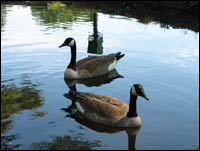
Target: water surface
<point>163,60</point>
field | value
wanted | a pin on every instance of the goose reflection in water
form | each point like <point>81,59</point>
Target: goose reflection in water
<point>93,82</point>
<point>77,116</point>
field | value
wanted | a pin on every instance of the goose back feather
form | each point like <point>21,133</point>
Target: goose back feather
<point>94,66</point>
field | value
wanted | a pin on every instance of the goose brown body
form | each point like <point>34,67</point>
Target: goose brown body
<point>91,66</point>
<point>100,108</point>
<point>108,110</point>
<point>94,66</point>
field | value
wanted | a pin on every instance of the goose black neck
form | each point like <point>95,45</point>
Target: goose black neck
<point>132,106</point>
<point>72,63</point>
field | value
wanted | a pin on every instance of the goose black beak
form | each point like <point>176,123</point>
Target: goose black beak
<point>145,97</point>
<point>61,46</point>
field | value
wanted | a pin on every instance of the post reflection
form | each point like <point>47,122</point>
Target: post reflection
<point>96,39</point>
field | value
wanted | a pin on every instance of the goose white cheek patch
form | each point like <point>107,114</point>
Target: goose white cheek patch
<point>134,91</point>
<point>71,44</point>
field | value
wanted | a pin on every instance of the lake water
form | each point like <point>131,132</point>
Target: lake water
<point>164,60</point>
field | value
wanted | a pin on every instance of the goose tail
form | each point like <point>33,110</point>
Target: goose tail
<point>119,55</point>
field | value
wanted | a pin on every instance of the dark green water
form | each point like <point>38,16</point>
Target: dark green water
<point>163,60</point>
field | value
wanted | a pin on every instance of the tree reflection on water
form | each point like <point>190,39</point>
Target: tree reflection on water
<point>5,142</point>
<point>66,143</point>
<point>16,98</point>
<point>55,15</point>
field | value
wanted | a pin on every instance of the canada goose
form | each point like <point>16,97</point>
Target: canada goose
<point>91,66</point>
<point>95,81</point>
<point>78,117</point>
<point>107,110</point>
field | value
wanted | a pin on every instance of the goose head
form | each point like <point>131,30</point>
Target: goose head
<point>68,42</point>
<point>137,90</point>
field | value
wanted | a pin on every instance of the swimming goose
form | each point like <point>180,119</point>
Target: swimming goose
<point>78,117</point>
<point>91,66</point>
<point>107,110</point>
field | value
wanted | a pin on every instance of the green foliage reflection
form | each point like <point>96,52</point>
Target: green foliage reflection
<point>58,15</point>
<point>66,143</point>
<point>3,16</point>
<point>15,99</point>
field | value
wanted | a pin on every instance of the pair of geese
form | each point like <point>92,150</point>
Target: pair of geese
<point>101,109</point>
